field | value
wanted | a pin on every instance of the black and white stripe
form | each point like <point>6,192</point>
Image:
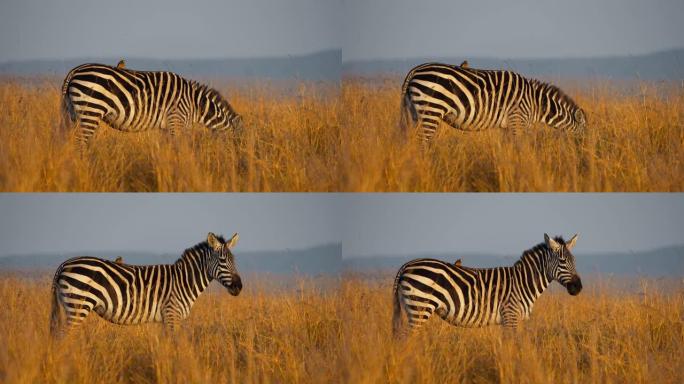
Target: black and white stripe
<point>135,101</point>
<point>135,294</point>
<point>474,99</point>
<point>473,297</point>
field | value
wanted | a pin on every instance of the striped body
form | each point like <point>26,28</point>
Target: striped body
<point>135,294</point>
<point>134,101</point>
<point>474,297</point>
<point>473,99</point>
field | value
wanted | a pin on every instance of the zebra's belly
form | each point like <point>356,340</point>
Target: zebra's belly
<point>475,321</point>
<point>475,124</point>
<point>135,125</point>
<point>132,316</point>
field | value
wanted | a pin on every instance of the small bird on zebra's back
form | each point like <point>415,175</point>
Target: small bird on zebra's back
<point>119,260</point>
<point>135,101</point>
<point>472,99</point>
<point>135,294</point>
<point>475,297</point>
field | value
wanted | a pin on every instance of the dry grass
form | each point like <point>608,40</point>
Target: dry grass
<point>291,145</point>
<point>318,140</point>
<point>635,142</point>
<point>342,334</point>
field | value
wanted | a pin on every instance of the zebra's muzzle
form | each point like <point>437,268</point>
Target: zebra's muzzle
<point>574,286</point>
<point>236,286</point>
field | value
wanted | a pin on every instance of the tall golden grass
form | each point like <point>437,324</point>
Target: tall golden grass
<point>307,334</point>
<point>319,138</point>
<point>291,144</point>
<point>634,142</point>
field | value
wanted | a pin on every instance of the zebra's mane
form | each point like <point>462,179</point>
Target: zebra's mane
<point>561,95</point>
<point>533,251</point>
<point>197,249</point>
<point>209,91</point>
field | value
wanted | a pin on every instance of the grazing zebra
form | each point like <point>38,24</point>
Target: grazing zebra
<point>473,297</point>
<point>134,101</point>
<point>135,294</point>
<point>473,99</point>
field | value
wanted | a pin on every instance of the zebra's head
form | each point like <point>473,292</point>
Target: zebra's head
<point>561,263</point>
<point>218,114</point>
<point>561,112</point>
<point>570,119</point>
<point>222,263</point>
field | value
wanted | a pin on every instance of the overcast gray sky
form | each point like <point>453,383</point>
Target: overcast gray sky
<point>367,224</point>
<point>35,29</point>
<point>507,224</point>
<point>163,223</point>
<point>365,29</point>
<point>510,29</point>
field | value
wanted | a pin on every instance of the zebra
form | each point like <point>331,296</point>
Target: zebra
<point>474,99</point>
<point>134,101</point>
<point>135,294</point>
<point>474,297</point>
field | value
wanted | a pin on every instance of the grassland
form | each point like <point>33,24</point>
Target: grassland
<point>321,138</point>
<point>342,333</point>
<point>291,144</point>
<point>634,142</point>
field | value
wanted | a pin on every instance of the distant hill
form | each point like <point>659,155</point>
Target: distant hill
<point>327,260</point>
<point>666,65</point>
<point>659,262</point>
<point>325,65</point>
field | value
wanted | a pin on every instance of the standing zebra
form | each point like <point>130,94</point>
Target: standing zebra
<point>473,99</point>
<point>473,297</point>
<point>135,294</point>
<point>136,101</point>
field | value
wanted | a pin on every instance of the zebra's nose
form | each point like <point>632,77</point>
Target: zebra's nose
<point>235,286</point>
<point>574,286</point>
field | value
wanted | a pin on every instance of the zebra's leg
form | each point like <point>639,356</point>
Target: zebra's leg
<point>516,123</point>
<point>85,129</point>
<point>171,318</point>
<point>77,310</point>
<point>418,311</point>
<point>427,129</point>
<point>510,316</point>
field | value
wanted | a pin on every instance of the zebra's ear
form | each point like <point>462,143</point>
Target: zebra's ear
<point>571,243</point>
<point>233,240</point>
<point>551,243</point>
<point>214,242</point>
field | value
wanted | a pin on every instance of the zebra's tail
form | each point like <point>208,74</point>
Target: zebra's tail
<point>56,311</point>
<point>68,117</point>
<point>397,320</point>
<point>408,114</point>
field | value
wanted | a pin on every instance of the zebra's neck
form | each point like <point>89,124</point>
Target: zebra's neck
<point>530,275</point>
<point>536,93</point>
<point>213,111</point>
<point>191,271</point>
